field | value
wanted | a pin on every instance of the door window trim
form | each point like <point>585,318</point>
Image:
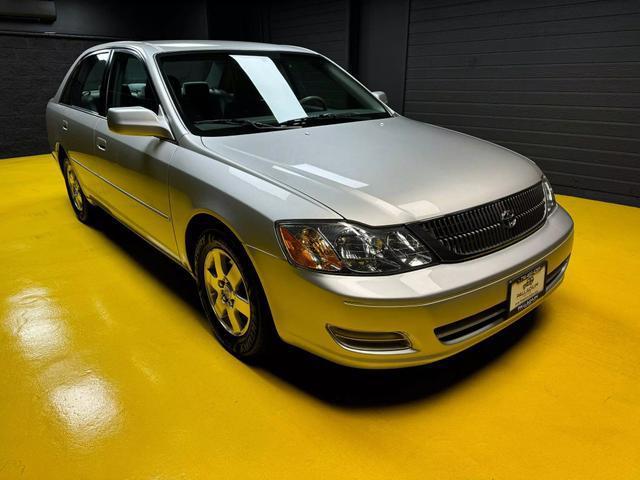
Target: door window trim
<point>135,54</point>
<point>107,72</point>
<point>111,51</point>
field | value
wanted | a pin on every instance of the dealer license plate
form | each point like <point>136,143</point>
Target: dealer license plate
<point>526,289</point>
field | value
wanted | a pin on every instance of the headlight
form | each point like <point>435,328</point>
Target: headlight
<point>346,248</point>
<point>549,197</point>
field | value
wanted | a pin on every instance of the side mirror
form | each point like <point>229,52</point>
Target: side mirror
<point>137,121</point>
<point>381,96</point>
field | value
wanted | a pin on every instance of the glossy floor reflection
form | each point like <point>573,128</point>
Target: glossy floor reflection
<point>108,370</point>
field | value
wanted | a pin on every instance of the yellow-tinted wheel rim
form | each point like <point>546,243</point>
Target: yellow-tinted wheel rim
<point>227,292</point>
<point>74,187</point>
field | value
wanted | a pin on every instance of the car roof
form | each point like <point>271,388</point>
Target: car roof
<point>161,46</point>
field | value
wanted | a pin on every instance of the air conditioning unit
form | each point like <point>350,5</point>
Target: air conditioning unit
<point>43,11</point>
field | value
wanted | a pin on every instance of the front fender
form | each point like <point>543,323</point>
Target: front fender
<point>244,201</point>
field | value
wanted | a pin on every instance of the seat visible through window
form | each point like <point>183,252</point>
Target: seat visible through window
<point>215,88</point>
<point>130,85</point>
<point>85,86</point>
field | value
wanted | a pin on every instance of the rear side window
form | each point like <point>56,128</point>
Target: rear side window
<point>86,85</point>
<point>130,85</point>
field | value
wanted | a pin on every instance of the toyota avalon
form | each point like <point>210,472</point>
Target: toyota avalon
<point>305,208</point>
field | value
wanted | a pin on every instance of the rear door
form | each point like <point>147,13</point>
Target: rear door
<point>135,169</point>
<point>82,104</point>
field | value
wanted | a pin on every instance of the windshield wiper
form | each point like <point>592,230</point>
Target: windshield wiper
<point>244,122</point>
<point>327,117</point>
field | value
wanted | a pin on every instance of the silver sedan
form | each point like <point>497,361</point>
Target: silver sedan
<point>305,208</point>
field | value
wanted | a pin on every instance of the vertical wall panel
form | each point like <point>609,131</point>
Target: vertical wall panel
<point>321,25</point>
<point>556,80</point>
<point>382,47</point>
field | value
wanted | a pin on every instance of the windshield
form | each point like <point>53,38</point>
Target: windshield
<point>229,94</point>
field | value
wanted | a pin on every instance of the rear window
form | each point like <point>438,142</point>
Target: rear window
<point>85,88</point>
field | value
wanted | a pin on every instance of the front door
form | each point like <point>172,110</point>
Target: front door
<point>136,169</point>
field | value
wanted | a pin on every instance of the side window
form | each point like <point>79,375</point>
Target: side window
<point>130,85</point>
<point>85,87</point>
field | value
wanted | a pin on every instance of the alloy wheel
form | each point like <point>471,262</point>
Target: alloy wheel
<point>74,186</point>
<point>227,292</point>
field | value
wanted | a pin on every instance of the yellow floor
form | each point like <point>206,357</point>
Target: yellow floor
<point>108,370</point>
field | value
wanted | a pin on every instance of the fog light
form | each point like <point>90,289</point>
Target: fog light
<point>371,342</point>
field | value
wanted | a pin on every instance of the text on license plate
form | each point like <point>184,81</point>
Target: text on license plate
<point>527,288</point>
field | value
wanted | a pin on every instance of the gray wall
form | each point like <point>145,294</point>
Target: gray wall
<point>558,81</point>
<point>33,63</point>
<point>322,25</point>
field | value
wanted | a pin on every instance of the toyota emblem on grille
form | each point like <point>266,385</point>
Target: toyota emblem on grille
<point>508,219</point>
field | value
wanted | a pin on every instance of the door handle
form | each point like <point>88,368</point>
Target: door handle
<point>101,143</point>
<point>65,125</point>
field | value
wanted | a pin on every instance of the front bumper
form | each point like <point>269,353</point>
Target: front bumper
<point>425,305</point>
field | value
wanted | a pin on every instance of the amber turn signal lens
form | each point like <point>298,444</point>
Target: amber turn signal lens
<point>307,247</point>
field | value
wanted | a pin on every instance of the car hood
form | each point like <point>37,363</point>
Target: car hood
<point>382,172</point>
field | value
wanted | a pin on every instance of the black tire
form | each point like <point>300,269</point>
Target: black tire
<point>260,337</point>
<point>81,206</point>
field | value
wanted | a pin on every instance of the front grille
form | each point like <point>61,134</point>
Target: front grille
<point>483,229</point>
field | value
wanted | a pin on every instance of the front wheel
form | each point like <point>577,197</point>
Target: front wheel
<point>81,206</point>
<point>232,297</point>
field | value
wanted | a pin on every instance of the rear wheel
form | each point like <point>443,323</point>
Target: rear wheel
<point>232,296</point>
<point>81,206</point>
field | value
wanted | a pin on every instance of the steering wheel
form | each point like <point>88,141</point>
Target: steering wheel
<point>314,98</point>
